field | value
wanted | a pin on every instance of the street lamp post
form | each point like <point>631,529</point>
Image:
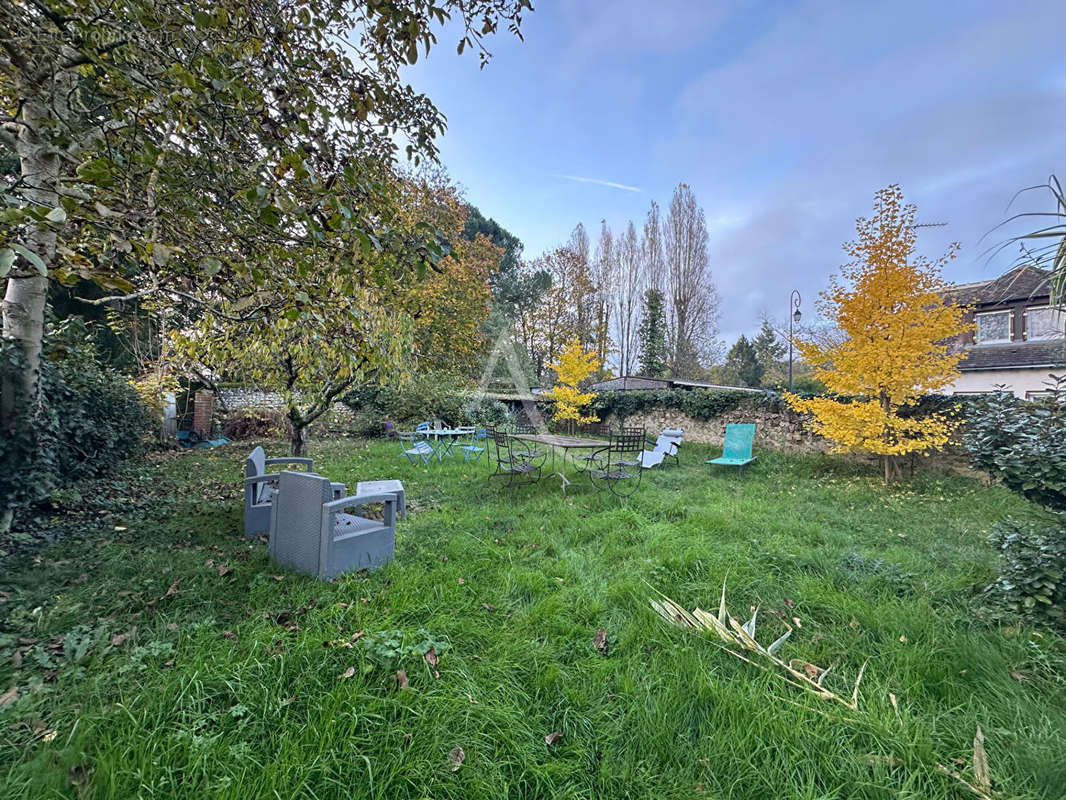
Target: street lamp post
<point>794,315</point>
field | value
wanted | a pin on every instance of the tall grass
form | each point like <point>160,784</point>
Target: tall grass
<point>233,684</point>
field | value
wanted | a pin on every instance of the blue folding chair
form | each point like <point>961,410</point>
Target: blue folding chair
<point>415,445</point>
<point>422,426</point>
<point>736,452</point>
<point>473,449</point>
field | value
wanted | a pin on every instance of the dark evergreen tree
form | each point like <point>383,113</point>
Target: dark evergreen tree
<point>769,349</point>
<point>742,364</point>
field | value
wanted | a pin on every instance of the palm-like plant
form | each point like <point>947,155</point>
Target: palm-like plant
<point>1047,245</point>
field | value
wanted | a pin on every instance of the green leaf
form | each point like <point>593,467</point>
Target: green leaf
<point>57,215</point>
<point>7,258</point>
<point>33,258</point>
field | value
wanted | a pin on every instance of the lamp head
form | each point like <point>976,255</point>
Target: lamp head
<point>797,316</point>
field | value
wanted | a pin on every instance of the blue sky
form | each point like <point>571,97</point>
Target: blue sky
<point>784,116</point>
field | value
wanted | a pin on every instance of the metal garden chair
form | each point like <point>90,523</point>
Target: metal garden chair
<point>515,462</point>
<point>736,452</point>
<point>311,532</point>
<point>617,466</point>
<point>415,445</point>
<point>473,449</point>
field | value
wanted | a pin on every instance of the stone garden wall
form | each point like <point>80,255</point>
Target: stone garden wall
<point>778,429</point>
<point>234,398</point>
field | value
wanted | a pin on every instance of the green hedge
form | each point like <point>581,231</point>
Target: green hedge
<point>89,421</point>
<point>699,404</point>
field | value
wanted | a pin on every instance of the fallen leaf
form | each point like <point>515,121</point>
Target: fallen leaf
<point>431,657</point>
<point>1018,676</point>
<point>903,639</point>
<point>400,678</point>
<point>223,570</point>
<point>461,581</point>
<point>347,673</point>
<point>9,697</point>
<point>169,663</point>
<point>172,626</point>
<point>229,635</point>
<point>119,528</point>
<point>49,736</point>
<point>553,737</point>
<point>456,758</point>
<point>173,589</point>
<point>487,607</point>
<point>599,641</point>
<point>470,697</point>
<point>282,577</point>
<point>789,603</point>
<point>119,638</point>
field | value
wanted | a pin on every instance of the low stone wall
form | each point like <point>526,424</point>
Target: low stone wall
<point>235,398</point>
<point>776,429</point>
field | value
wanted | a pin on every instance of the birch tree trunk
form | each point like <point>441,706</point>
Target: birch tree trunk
<point>26,293</point>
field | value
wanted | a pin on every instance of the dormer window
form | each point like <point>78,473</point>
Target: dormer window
<point>994,327</point>
<point>1045,322</point>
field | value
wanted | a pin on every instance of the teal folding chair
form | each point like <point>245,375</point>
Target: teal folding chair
<point>737,449</point>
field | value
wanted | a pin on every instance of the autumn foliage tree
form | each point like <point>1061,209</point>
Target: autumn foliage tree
<point>451,301</point>
<point>574,365</point>
<point>895,325</point>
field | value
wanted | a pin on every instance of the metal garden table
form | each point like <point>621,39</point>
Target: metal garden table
<point>564,443</point>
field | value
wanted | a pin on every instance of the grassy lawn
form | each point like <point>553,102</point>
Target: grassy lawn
<point>157,654</point>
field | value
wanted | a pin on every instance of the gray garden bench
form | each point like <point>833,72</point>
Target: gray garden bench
<point>311,532</point>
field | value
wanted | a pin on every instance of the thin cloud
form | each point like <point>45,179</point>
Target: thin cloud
<point>597,181</point>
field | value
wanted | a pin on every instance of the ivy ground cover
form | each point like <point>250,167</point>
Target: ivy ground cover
<point>511,649</point>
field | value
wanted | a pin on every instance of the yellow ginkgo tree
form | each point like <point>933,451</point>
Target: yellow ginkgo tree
<point>574,366</point>
<point>896,327</point>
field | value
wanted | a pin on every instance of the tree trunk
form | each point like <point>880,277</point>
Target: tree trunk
<point>298,440</point>
<point>24,300</point>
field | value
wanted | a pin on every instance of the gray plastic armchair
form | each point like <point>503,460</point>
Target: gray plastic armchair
<point>312,533</point>
<point>261,486</point>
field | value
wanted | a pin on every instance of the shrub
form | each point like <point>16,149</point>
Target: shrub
<point>484,411</point>
<point>1033,566</point>
<point>256,423</point>
<point>1023,443</point>
<point>425,397</point>
<point>90,420</point>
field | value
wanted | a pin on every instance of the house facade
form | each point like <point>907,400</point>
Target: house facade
<point>1019,338</point>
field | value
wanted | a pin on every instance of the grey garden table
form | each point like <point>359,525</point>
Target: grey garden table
<point>385,487</point>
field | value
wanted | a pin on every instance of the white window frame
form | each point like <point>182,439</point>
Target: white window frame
<point>1029,328</point>
<point>1010,326</point>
